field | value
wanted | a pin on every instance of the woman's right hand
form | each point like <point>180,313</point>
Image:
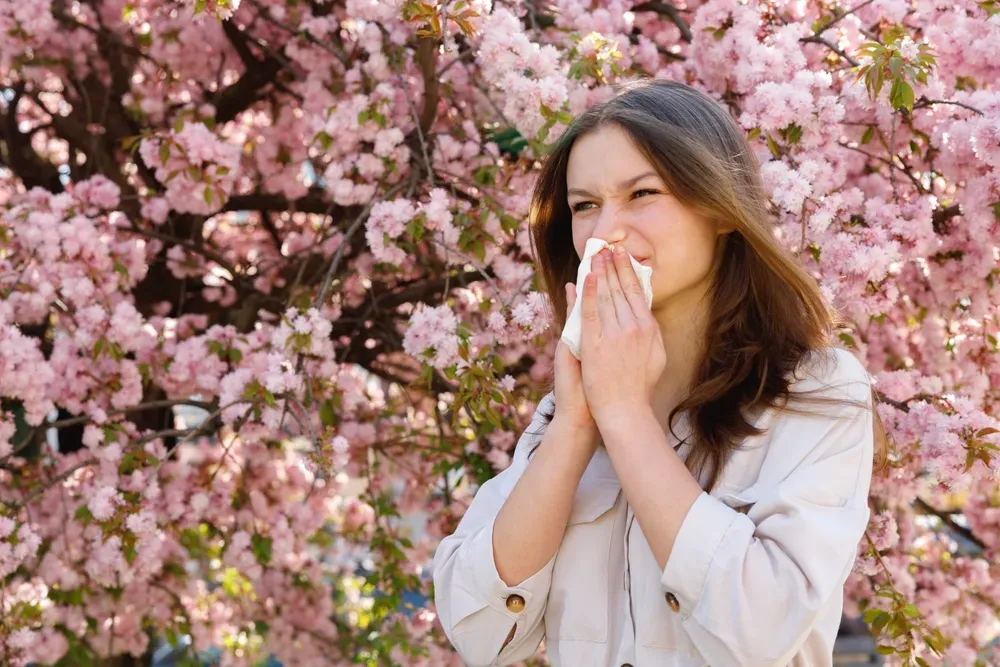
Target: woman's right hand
<point>571,403</point>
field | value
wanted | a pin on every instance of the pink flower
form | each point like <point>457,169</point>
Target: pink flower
<point>433,330</point>
<point>103,502</point>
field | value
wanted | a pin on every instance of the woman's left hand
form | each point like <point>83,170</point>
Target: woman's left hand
<point>621,352</point>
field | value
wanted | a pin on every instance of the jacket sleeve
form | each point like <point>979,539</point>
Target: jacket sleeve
<point>752,586</point>
<point>473,604</point>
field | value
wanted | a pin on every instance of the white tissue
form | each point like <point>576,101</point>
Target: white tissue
<point>573,331</point>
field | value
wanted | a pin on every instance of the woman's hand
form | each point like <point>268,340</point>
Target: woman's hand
<point>571,402</point>
<point>622,353</point>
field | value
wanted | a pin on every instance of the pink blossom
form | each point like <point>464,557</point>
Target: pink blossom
<point>103,502</point>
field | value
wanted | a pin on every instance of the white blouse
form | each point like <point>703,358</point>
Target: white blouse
<point>755,577</point>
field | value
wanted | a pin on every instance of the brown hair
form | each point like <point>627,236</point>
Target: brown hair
<point>766,312</point>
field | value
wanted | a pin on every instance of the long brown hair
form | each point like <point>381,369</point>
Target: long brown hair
<point>766,312</point>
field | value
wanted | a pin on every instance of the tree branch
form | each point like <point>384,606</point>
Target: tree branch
<point>839,17</point>
<point>816,39</point>
<point>947,520</point>
<point>16,151</point>
<point>426,56</point>
<point>314,202</point>
<point>236,98</point>
<point>924,103</point>
<point>941,216</point>
<point>671,12</point>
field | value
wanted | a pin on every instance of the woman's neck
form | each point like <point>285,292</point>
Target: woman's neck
<point>683,322</point>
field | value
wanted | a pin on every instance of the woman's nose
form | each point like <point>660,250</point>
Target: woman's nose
<point>611,226</point>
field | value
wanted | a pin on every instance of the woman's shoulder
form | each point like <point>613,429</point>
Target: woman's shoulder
<point>829,396</point>
<point>831,373</point>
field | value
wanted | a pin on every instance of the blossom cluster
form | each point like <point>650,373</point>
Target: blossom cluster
<point>269,317</point>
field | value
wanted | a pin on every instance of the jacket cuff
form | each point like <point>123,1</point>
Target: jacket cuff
<point>491,587</point>
<point>700,536</point>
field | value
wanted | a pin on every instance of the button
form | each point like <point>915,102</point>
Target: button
<point>515,603</point>
<point>672,601</point>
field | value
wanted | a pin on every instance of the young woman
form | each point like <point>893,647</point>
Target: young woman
<point>694,490</point>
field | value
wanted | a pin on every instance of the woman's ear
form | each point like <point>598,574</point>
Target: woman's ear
<point>724,227</point>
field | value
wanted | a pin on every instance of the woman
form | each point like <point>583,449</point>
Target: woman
<point>694,490</point>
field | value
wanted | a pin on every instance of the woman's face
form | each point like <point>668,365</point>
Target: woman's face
<point>615,194</point>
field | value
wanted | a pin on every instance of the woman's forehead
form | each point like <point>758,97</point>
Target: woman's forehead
<point>603,158</point>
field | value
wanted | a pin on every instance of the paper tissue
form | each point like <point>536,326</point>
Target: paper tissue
<point>573,330</point>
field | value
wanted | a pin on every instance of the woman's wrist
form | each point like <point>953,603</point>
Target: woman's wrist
<point>583,432</point>
<point>621,419</point>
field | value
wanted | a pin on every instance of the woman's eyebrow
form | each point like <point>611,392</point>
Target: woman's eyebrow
<point>624,185</point>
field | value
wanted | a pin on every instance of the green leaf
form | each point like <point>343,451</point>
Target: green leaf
<point>753,134</point>
<point>908,96</point>
<point>880,622</point>
<point>128,546</point>
<point>934,643</point>
<point>885,650</point>
<point>871,615</point>
<point>269,399</point>
<point>83,514</point>
<point>128,464</point>
<point>867,136</point>
<point>996,210</point>
<point>261,547</point>
<point>901,95</point>
<point>895,65</point>
<point>199,6</point>
<point>911,611</point>
<point>164,152</point>
<point>772,145</point>
<point>327,414</point>
<point>989,430</point>
<point>73,598</point>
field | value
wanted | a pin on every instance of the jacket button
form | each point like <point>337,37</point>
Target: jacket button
<point>672,601</point>
<point>515,603</point>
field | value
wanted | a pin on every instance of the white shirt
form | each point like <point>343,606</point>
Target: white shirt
<point>757,570</point>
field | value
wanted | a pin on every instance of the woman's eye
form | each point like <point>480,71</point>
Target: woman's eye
<point>580,206</point>
<point>638,193</point>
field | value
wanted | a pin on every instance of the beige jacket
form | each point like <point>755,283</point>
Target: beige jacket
<point>755,577</point>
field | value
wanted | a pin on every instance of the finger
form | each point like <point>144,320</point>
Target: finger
<point>631,286</point>
<point>623,309</point>
<point>570,298</point>
<point>591,323</point>
<point>605,304</point>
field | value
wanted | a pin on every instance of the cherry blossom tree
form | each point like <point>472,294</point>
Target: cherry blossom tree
<point>267,299</point>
